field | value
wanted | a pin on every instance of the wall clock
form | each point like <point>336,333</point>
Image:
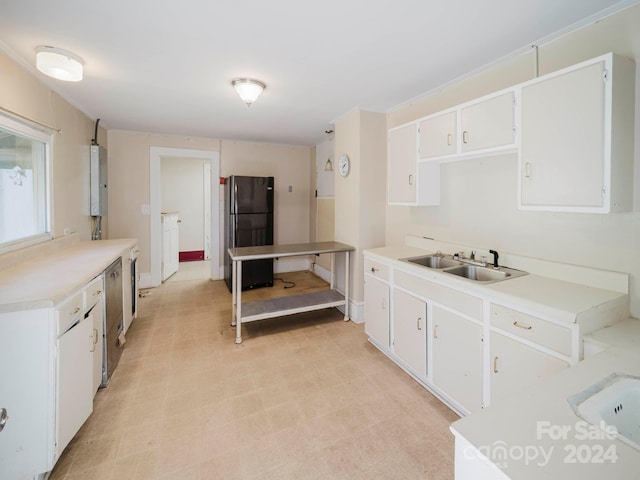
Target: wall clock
<point>344,165</point>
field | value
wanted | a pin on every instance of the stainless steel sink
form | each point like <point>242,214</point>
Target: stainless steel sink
<point>433,261</point>
<point>464,268</point>
<point>484,274</point>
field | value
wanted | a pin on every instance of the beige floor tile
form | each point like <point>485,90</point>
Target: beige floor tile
<point>303,397</point>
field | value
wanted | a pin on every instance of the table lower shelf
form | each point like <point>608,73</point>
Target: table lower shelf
<point>277,307</point>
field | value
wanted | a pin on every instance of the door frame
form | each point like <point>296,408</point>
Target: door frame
<point>155,200</point>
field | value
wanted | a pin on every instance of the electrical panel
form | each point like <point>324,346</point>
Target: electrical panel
<point>98,173</point>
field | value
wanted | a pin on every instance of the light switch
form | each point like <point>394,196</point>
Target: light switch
<point>290,188</point>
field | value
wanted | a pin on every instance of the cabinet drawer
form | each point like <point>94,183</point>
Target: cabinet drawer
<point>93,292</point>
<point>68,312</point>
<point>460,302</point>
<point>549,335</point>
<point>377,269</point>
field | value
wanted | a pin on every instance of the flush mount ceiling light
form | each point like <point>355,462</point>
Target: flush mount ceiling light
<point>59,63</point>
<point>248,89</point>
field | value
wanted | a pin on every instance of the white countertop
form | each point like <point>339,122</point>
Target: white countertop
<point>546,296</point>
<point>47,280</point>
<point>528,419</point>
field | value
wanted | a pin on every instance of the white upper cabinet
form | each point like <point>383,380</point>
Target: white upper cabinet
<point>407,182</point>
<point>488,124</point>
<point>576,152</point>
<point>438,135</point>
<point>480,127</point>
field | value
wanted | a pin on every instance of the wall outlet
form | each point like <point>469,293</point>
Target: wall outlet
<point>290,188</point>
<point>67,231</point>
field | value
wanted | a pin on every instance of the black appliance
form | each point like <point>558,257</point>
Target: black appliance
<point>249,222</point>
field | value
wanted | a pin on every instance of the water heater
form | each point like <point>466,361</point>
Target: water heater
<point>98,173</point>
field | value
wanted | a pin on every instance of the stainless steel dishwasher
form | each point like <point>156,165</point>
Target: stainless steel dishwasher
<point>113,326</point>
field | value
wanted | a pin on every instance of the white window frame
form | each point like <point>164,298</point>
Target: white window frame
<point>19,128</point>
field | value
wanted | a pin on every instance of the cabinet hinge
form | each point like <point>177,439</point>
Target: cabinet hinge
<point>605,75</point>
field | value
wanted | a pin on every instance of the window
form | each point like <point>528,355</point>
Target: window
<point>24,185</point>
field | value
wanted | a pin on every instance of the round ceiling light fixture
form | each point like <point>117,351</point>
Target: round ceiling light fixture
<point>248,89</point>
<point>59,63</point>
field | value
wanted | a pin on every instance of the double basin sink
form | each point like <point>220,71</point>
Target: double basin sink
<point>461,268</point>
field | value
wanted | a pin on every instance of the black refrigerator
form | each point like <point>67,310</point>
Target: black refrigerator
<point>249,222</point>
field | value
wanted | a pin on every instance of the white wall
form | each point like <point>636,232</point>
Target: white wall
<point>478,204</point>
<point>182,191</point>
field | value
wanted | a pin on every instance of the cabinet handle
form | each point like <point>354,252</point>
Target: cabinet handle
<point>410,179</point>
<point>495,365</point>
<point>94,339</point>
<point>527,170</point>
<point>383,304</point>
<point>97,292</point>
<point>435,331</point>
<point>449,138</point>
<point>522,325</point>
<point>374,270</point>
<point>465,137</point>
<point>419,323</point>
<point>3,418</point>
<point>75,310</point>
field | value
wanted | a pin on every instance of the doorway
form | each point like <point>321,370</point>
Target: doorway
<point>210,164</point>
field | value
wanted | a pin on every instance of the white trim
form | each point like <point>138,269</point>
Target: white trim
<point>155,156</point>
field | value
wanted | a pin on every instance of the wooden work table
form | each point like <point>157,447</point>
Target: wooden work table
<point>289,305</point>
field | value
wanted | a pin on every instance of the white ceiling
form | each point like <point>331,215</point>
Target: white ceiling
<point>166,66</point>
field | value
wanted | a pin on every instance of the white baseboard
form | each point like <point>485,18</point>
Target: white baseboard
<point>356,311</point>
<point>322,272</point>
<point>295,264</point>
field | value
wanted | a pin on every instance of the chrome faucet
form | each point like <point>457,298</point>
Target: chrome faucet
<point>471,260</point>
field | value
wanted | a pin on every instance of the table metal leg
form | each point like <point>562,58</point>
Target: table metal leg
<point>233,293</point>
<point>346,286</point>
<point>238,289</point>
<point>333,273</point>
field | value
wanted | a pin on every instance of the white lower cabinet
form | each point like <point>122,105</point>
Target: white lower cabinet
<point>515,366</point>
<point>97,340</point>
<point>376,308</point>
<point>458,343</point>
<point>410,331</point>
<point>457,358</point>
<point>74,387</point>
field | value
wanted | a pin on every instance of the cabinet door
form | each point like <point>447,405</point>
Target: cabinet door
<point>97,318</point>
<point>376,310</point>
<point>562,153</point>
<point>409,331</point>
<point>438,135</point>
<point>457,358</point>
<point>74,381</point>
<point>515,366</point>
<point>488,124</point>
<point>401,170</point>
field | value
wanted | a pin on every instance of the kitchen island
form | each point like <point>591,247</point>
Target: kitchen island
<point>277,307</point>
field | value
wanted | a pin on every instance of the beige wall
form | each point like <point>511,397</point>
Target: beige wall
<point>22,93</point>
<point>129,170</point>
<point>129,177</point>
<point>360,197</point>
<point>478,204</point>
<point>290,165</point>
